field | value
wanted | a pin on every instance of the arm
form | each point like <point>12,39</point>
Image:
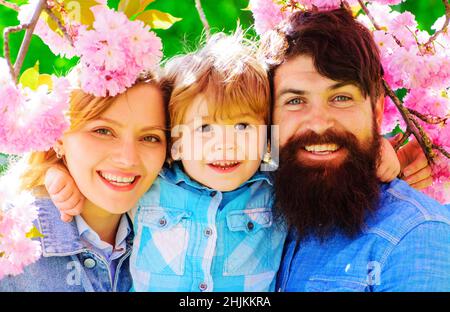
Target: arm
<point>64,192</point>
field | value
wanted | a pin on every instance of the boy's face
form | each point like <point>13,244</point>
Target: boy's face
<point>220,154</point>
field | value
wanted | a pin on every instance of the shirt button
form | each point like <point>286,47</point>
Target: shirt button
<point>208,232</point>
<point>203,286</point>
<point>89,263</point>
<point>162,222</point>
<point>213,193</point>
<point>250,225</point>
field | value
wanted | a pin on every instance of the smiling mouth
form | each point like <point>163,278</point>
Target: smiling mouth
<point>322,149</point>
<point>224,166</point>
<point>120,183</point>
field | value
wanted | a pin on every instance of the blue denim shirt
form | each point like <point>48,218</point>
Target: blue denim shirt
<point>404,247</point>
<point>68,263</point>
<point>192,238</point>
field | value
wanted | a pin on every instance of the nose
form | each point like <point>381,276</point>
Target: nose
<point>318,119</point>
<point>126,154</point>
<point>225,141</point>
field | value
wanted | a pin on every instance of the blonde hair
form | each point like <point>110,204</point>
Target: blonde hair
<point>83,107</point>
<point>226,72</point>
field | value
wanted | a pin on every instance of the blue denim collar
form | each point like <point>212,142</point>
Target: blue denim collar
<point>177,175</point>
<point>59,238</point>
<point>62,238</point>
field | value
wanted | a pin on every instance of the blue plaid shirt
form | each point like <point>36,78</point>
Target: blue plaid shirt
<point>192,238</point>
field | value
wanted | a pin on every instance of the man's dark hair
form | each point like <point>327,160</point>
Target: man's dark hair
<point>342,48</point>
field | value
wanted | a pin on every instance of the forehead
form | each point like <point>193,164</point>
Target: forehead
<point>141,104</point>
<point>212,112</point>
<point>299,72</point>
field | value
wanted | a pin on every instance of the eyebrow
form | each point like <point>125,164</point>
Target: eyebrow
<point>209,120</point>
<point>303,92</point>
<point>115,122</point>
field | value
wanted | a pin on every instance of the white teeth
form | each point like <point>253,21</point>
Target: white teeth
<point>322,148</point>
<point>117,179</point>
<point>224,163</point>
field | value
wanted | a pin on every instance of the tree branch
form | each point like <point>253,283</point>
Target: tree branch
<point>412,126</point>
<point>6,49</point>
<point>10,5</point>
<point>444,27</point>
<point>202,15</point>
<point>428,118</point>
<point>26,41</point>
<point>60,25</point>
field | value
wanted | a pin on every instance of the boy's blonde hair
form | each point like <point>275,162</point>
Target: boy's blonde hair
<point>83,107</point>
<point>226,72</point>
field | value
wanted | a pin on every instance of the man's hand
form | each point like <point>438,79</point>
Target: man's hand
<point>64,192</point>
<point>414,164</point>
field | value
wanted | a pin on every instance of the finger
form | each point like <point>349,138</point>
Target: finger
<point>423,174</point>
<point>66,217</point>
<point>418,164</point>
<point>53,181</point>
<point>76,211</point>
<point>423,184</point>
<point>65,194</point>
<point>70,203</point>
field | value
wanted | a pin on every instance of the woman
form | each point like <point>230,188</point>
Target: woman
<point>114,150</point>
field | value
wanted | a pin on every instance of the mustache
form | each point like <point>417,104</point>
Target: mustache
<point>330,136</point>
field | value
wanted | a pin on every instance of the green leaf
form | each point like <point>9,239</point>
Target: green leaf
<point>30,77</point>
<point>129,7</point>
<point>34,233</point>
<point>157,19</point>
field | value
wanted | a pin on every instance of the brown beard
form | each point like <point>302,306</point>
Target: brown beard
<point>319,201</point>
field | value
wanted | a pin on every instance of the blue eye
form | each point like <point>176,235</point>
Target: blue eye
<point>103,131</point>
<point>295,101</point>
<point>241,126</point>
<point>342,98</point>
<point>204,128</point>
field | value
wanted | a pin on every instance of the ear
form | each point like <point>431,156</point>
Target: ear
<point>59,147</point>
<point>175,150</point>
<point>379,111</point>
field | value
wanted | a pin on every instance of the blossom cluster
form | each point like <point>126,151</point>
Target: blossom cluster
<point>17,248</point>
<point>31,119</point>
<point>112,54</point>
<point>411,64</point>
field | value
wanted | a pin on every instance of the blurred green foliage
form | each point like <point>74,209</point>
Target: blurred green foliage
<point>222,15</point>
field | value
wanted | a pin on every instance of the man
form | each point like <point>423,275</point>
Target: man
<point>349,232</point>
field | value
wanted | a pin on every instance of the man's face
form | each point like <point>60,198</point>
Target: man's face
<point>307,102</point>
<point>326,181</point>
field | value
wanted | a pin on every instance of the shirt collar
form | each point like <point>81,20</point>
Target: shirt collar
<point>87,233</point>
<point>177,175</point>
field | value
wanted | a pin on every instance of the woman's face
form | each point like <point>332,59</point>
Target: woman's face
<point>115,158</point>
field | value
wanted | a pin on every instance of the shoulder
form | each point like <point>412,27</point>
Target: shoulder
<point>402,209</point>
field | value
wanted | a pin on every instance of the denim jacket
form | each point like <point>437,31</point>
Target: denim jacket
<point>405,246</point>
<point>67,263</point>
